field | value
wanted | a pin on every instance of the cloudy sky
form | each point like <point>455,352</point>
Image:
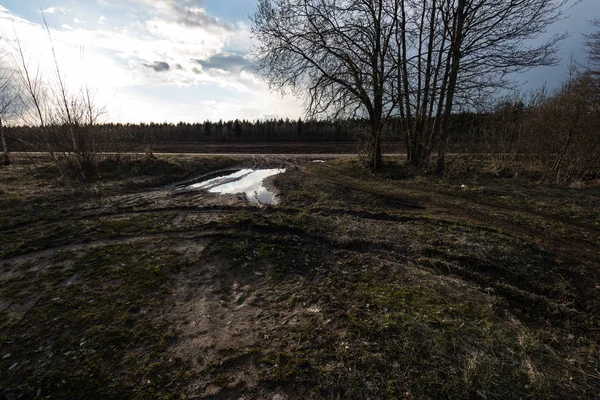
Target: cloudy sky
<point>182,60</point>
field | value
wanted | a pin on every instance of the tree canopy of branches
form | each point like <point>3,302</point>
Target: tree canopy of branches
<point>453,52</point>
<point>415,59</point>
<point>336,49</point>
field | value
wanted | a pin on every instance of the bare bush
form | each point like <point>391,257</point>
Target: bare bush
<point>503,137</point>
<point>65,119</point>
<point>556,134</point>
<point>565,127</point>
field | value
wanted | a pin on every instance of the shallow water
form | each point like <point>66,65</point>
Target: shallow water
<point>246,181</point>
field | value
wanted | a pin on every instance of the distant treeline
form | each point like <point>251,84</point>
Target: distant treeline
<point>464,128</point>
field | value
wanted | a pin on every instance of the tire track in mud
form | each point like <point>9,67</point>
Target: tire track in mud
<point>585,247</point>
<point>504,226</point>
<point>573,313</point>
<point>131,212</point>
<point>528,211</point>
<point>525,210</point>
<point>117,208</point>
<point>35,257</point>
<point>176,212</point>
<point>49,251</point>
<point>447,206</point>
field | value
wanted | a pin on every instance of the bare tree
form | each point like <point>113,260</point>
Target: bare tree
<point>453,52</point>
<point>336,50</point>
<point>422,41</point>
<point>9,102</point>
<point>416,59</point>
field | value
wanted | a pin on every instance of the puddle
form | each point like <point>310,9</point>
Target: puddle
<point>248,181</point>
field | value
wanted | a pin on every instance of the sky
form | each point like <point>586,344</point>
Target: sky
<point>186,60</point>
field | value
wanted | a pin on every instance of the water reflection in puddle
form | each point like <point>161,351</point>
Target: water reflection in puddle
<point>246,181</point>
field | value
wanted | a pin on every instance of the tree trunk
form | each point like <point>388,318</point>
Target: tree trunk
<point>455,55</point>
<point>4,147</point>
<point>404,89</point>
<point>376,158</point>
<point>415,153</point>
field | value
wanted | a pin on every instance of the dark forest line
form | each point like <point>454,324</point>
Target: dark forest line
<point>465,127</point>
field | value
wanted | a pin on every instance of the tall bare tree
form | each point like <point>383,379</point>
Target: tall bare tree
<point>336,50</point>
<point>493,39</point>
<point>419,59</point>
<point>422,41</point>
<point>454,51</point>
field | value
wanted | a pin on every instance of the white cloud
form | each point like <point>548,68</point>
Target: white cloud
<point>54,10</point>
<point>240,40</point>
<point>119,61</point>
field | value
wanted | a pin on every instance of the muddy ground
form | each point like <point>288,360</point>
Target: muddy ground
<point>357,285</point>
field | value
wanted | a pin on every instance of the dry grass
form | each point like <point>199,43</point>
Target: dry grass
<point>358,285</point>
